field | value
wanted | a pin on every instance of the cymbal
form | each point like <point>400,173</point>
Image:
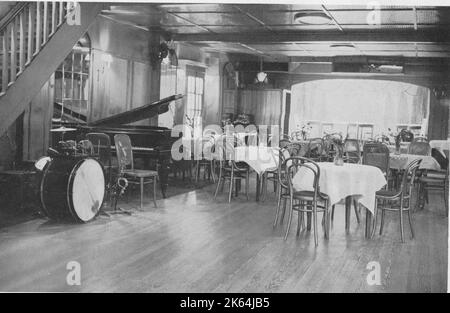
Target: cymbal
<point>62,129</point>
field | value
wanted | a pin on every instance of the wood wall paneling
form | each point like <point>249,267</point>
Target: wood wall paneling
<point>37,122</point>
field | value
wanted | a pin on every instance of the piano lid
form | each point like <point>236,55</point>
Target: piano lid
<point>138,114</point>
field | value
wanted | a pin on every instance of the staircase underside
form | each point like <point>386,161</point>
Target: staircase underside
<point>44,64</point>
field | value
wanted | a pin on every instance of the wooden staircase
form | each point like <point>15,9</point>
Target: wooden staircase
<point>35,37</point>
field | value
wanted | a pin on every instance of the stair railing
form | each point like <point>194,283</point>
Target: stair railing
<point>24,31</point>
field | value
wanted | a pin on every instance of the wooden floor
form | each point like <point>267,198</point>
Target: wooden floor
<point>194,244</point>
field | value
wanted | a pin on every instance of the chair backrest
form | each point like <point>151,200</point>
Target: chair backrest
<point>284,142</point>
<point>376,154</point>
<point>102,147</point>
<point>352,150</point>
<point>294,149</point>
<point>408,178</point>
<point>124,151</point>
<point>419,147</point>
<point>315,148</point>
<point>294,164</point>
<point>86,147</point>
<point>420,139</point>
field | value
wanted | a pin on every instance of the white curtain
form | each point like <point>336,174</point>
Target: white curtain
<point>340,102</point>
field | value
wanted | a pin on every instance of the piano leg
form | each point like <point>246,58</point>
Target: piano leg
<point>163,172</point>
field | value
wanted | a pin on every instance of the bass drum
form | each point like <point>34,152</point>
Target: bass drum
<point>72,188</point>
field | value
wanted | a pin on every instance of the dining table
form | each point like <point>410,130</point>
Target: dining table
<point>345,182</point>
<point>443,146</point>
<point>401,161</point>
<point>260,159</point>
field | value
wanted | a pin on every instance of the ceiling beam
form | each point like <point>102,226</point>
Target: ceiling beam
<point>324,9</point>
<point>329,36</point>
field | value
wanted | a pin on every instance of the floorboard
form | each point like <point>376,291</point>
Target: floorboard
<point>191,243</point>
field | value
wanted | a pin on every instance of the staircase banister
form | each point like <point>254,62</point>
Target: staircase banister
<point>11,15</point>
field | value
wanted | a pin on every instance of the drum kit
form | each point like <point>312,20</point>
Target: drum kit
<point>73,185</point>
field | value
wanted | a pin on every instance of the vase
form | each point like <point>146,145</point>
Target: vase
<point>339,157</point>
<point>397,149</point>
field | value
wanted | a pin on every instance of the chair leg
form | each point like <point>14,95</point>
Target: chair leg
<point>316,239</point>
<point>382,221</point>
<point>284,211</point>
<point>356,206</point>
<point>375,215</point>
<point>211,170</point>
<point>142,191</point>
<point>401,223</point>
<point>410,224</point>
<point>288,226</point>
<point>230,192</point>
<point>219,181</point>
<point>197,170</point>
<point>332,212</point>
<point>298,223</point>
<point>154,190</point>
<point>278,209</point>
<point>264,187</point>
<point>247,184</point>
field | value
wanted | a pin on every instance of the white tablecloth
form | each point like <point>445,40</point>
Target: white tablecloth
<point>401,161</point>
<point>440,145</point>
<point>338,182</point>
<point>259,158</point>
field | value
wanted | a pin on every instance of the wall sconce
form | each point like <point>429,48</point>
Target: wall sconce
<point>440,92</point>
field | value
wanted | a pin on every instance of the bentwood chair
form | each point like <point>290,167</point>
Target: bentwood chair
<point>434,180</point>
<point>420,139</point>
<point>397,200</point>
<point>315,149</point>
<point>306,201</point>
<point>229,170</point>
<point>102,149</point>
<point>284,142</point>
<point>273,173</point>
<point>377,154</point>
<point>352,151</point>
<point>206,163</point>
<point>124,153</point>
<point>419,147</point>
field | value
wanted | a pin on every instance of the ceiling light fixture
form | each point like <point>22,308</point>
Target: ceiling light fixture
<point>261,76</point>
<point>343,46</point>
<point>312,18</point>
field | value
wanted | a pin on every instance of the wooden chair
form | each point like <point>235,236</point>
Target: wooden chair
<point>315,150</point>
<point>102,150</point>
<point>229,170</point>
<point>434,180</point>
<point>205,163</point>
<point>284,142</point>
<point>311,202</point>
<point>124,152</point>
<point>352,151</point>
<point>419,148</point>
<point>398,200</point>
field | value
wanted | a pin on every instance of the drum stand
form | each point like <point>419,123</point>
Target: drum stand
<point>117,190</point>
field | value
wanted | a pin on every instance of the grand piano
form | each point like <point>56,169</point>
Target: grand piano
<point>151,143</point>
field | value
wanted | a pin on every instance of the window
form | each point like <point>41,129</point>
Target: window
<point>72,84</point>
<point>195,90</point>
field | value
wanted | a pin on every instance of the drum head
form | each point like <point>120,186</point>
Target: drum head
<point>88,189</point>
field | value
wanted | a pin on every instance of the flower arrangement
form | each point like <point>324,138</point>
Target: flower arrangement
<point>402,135</point>
<point>335,140</point>
<point>305,131</point>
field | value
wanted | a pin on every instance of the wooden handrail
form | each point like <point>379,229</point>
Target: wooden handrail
<point>11,15</point>
<point>25,29</point>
